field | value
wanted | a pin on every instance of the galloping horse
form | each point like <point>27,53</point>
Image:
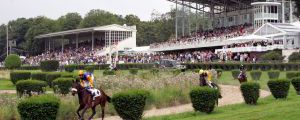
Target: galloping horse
<point>204,82</point>
<point>85,100</point>
<point>242,77</point>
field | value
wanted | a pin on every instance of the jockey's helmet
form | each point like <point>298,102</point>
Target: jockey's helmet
<point>80,73</point>
<point>201,71</point>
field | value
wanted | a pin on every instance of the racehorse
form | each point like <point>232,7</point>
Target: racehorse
<point>85,100</point>
<point>204,82</point>
<point>242,77</point>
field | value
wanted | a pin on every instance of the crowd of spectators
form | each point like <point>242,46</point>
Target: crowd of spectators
<point>217,34</point>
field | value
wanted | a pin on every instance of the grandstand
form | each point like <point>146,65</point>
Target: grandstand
<point>239,26</point>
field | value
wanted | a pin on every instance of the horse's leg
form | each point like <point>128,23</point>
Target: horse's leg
<point>79,109</point>
<point>84,110</point>
<point>94,112</point>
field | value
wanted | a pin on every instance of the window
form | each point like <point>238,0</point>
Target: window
<point>230,19</point>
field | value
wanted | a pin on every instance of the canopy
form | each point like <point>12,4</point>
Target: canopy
<point>248,38</point>
<point>140,49</point>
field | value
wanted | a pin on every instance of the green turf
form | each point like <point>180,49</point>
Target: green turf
<point>6,85</point>
<point>267,109</point>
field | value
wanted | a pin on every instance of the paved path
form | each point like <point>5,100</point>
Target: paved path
<point>231,95</point>
<point>8,92</point>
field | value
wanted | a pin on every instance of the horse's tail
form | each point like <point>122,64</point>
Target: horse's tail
<point>108,98</point>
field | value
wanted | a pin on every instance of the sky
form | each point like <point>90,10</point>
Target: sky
<point>13,9</point>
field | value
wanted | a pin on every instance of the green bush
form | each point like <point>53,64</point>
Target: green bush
<point>62,85</point>
<point>130,104</point>
<point>290,75</point>
<point>39,76</point>
<point>296,84</point>
<point>250,92</point>
<point>49,65</point>
<point>133,71</point>
<point>52,76</point>
<point>204,99</point>
<point>274,74</point>
<point>19,75</point>
<point>235,73</point>
<point>28,86</point>
<point>294,57</point>
<point>89,68</point>
<point>279,88</point>
<point>12,61</point>
<point>109,72</point>
<point>70,68</point>
<point>67,75</point>
<point>272,56</point>
<point>42,107</point>
<point>255,75</point>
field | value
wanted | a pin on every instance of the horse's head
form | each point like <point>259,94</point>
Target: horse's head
<point>76,87</point>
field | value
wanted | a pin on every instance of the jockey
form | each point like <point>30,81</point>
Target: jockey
<point>242,71</point>
<point>87,81</point>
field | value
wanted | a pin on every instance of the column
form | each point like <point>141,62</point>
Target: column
<point>183,15</point>
<point>49,44</point>
<point>76,41</point>
<point>93,40</point>
<point>176,21</point>
<point>284,42</point>
<point>291,11</point>
<point>62,44</point>
<point>283,11</point>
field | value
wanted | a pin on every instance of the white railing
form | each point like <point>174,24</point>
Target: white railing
<point>250,49</point>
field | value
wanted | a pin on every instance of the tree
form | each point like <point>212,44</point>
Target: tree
<point>132,20</point>
<point>98,17</point>
<point>18,30</point>
<point>272,55</point>
<point>297,12</point>
<point>294,57</point>
<point>69,21</point>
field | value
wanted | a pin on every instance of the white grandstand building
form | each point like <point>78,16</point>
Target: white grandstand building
<point>271,20</point>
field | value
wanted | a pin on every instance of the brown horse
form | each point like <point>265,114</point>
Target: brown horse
<point>86,100</point>
<point>242,77</point>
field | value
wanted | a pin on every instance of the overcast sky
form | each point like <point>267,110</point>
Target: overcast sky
<point>12,9</point>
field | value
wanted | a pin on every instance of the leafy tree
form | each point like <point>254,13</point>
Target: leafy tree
<point>272,55</point>
<point>69,21</point>
<point>132,20</point>
<point>294,57</point>
<point>18,30</point>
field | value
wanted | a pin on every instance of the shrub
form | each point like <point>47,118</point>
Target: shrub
<point>12,61</point>
<point>67,75</point>
<point>49,65</point>
<point>271,56</point>
<point>70,68</point>
<point>133,71</point>
<point>42,107</point>
<point>274,74</point>
<point>294,57</point>
<point>204,99</point>
<point>52,76</point>
<point>62,85</point>
<point>235,73</point>
<point>39,76</point>
<point>250,92</point>
<point>19,75</point>
<point>255,75</point>
<point>89,68</point>
<point>290,75</point>
<point>296,84</point>
<point>130,104</point>
<point>109,72</point>
<point>279,88</point>
<point>28,86</point>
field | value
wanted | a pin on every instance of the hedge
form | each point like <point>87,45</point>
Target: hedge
<point>250,92</point>
<point>290,75</point>
<point>296,84</point>
<point>28,86</point>
<point>70,68</point>
<point>43,107</point>
<point>67,74</point>
<point>279,88</point>
<point>136,65</point>
<point>130,104</point>
<point>39,76</point>
<point>204,99</point>
<point>235,73</point>
<point>12,61</point>
<point>19,75</point>
<point>89,68</point>
<point>274,74</point>
<point>255,75</point>
<point>62,85</point>
<point>52,76</point>
<point>49,65</point>
<point>133,71</point>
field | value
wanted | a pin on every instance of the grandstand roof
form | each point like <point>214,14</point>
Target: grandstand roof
<point>274,29</point>
<point>113,27</point>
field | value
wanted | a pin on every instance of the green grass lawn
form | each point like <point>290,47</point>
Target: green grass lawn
<point>267,109</point>
<point>6,84</point>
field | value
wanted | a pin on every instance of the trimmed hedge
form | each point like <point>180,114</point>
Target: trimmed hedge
<point>274,74</point>
<point>255,75</point>
<point>52,76</point>
<point>49,65</point>
<point>296,84</point>
<point>62,85</point>
<point>67,75</point>
<point>250,92</point>
<point>133,71</point>
<point>109,72</point>
<point>44,107</point>
<point>279,88</point>
<point>28,86</point>
<point>70,68</point>
<point>12,61</point>
<point>89,68</point>
<point>136,65</point>
<point>290,75</point>
<point>19,75</point>
<point>39,76</point>
<point>204,99</point>
<point>130,104</point>
<point>235,73</point>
